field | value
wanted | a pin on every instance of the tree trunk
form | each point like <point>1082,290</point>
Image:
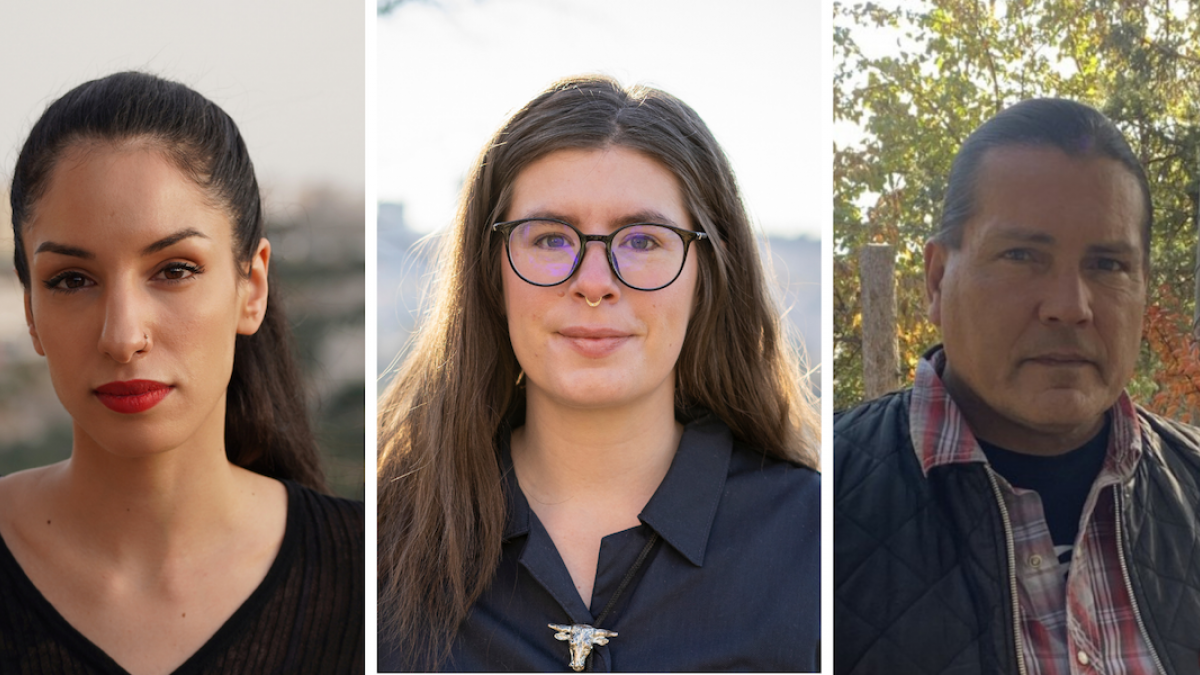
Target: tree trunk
<point>881,355</point>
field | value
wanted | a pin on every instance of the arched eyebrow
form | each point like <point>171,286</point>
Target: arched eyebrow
<point>171,240</point>
<point>76,252</point>
<point>63,249</point>
<point>648,216</point>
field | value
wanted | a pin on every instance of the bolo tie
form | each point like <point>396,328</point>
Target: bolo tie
<point>581,637</point>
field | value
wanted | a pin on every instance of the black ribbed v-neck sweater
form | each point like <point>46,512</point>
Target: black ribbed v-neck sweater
<point>305,617</point>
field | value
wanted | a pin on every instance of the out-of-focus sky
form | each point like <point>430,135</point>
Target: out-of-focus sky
<point>451,71</point>
<point>290,73</point>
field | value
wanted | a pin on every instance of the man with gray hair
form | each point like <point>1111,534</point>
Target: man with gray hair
<point>1014,511</point>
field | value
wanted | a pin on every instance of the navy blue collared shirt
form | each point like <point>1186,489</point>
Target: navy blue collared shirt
<point>732,584</point>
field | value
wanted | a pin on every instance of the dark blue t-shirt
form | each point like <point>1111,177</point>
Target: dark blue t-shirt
<point>1062,481</point>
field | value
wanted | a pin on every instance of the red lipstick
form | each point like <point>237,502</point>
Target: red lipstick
<point>131,397</point>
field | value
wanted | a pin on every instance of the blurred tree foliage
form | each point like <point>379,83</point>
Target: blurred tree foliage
<point>385,7</point>
<point>951,64</point>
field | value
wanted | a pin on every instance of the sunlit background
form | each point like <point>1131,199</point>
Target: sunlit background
<point>451,71</point>
<point>291,75</point>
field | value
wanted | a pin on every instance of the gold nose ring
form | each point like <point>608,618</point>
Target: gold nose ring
<point>593,304</point>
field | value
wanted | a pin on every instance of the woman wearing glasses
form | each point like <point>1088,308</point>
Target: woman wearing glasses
<point>187,531</point>
<point>600,453</point>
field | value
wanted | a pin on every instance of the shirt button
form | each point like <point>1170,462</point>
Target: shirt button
<point>1083,658</point>
<point>1035,561</point>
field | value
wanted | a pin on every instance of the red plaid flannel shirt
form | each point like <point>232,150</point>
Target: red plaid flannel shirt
<point>1081,623</point>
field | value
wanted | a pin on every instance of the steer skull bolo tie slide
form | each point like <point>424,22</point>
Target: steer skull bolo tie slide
<point>582,638</point>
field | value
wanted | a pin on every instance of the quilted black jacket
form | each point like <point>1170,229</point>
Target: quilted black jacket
<point>921,566</point>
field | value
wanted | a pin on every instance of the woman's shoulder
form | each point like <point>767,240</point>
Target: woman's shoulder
<point>747,461</point>
<point>753,479</point>
<point>21,496</point>
<point>15,485</point>
<point>769,511</point>
<point>326,517</point>
<point>754,469</point>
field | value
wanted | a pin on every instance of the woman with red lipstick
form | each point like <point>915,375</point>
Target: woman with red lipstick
<point>601,452</point>
<point>187,532</point>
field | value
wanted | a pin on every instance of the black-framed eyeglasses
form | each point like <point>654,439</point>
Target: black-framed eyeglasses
<point>644,256</point>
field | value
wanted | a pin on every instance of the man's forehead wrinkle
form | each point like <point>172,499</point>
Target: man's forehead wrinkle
<point>1019,233</point>
<point>997,231</point>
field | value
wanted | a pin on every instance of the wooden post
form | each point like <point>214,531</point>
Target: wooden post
<point>881,354</point>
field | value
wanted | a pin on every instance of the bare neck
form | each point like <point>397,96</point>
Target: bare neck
<point>608,455</point>
<point>147,508</point>
<point>993,427</point>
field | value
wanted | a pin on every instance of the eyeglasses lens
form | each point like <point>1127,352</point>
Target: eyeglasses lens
<point>543,251</point>
<point>645,256</point>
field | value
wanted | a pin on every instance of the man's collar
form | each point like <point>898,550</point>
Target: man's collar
<point>684,506</point>
<point>940,435</point>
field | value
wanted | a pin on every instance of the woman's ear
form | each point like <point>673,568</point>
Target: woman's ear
<point>253,294</point>
<point>37,342</point>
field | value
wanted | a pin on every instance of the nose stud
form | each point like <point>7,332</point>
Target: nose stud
<point>593,304</point>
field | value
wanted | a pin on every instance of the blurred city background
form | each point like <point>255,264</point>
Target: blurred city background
<point>297,93</point>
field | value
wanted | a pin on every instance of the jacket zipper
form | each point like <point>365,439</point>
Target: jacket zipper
<point>1137,615</point>
<point>1012,570</point>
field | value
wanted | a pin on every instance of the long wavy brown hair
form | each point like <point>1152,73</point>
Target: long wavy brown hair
<point>442,507</point>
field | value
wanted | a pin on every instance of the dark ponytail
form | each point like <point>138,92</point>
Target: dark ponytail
<point>266,418</point>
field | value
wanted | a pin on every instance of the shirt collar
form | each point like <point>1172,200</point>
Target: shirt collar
<point>684,506</point>
<point>940,434</point>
